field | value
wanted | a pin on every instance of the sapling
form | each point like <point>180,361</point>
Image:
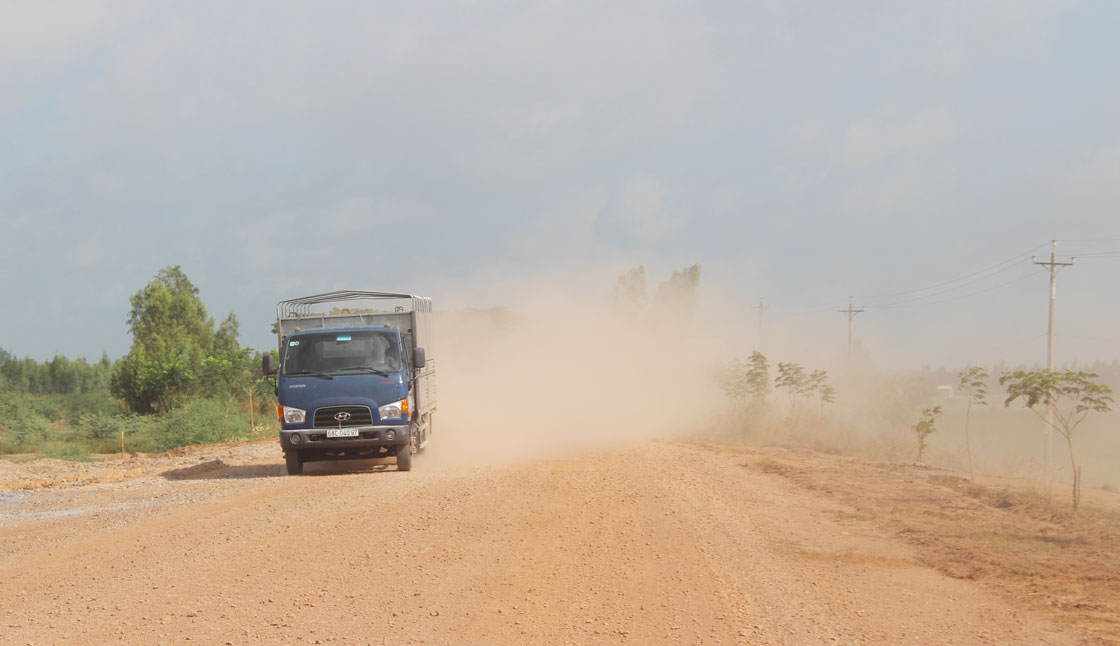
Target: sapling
<point>924,427</point>
<point>974,381</point>
<point>1067,396</point>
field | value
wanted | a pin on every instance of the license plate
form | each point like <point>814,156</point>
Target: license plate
<point>342,432</point>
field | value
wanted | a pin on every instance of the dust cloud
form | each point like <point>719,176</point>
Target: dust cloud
<point>565,369</point>
<point>562,366</point>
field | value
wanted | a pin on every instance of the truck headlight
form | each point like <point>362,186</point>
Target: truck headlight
<point>394,410</point>
<point>294,415</point>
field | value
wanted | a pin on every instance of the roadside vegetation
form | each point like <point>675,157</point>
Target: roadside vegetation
<point>186,380</point>
<point>875,413</point>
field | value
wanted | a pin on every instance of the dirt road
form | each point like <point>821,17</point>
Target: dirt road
<point>663,543</point>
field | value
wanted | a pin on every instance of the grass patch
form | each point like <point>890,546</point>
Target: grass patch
<point>74,451</point>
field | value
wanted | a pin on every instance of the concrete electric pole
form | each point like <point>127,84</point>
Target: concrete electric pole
<point>1053,266</point>
<point>851,312</point>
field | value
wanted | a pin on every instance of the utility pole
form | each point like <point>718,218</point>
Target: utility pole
<point>1053,266</point>
<point>851,312</point>
<point>762,306</point>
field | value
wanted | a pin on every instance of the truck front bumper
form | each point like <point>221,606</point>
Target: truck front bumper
<point>368,436</point>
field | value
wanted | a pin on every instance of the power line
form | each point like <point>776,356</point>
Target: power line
<point>921,296</point>
<point>919,301</point>
<point>912,302</point>
<point>1001,266</point>
<point>1099,254</point>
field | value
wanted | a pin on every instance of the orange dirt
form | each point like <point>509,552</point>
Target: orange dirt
<point>663,543</point>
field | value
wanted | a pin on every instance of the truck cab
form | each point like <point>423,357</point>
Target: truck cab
<point>353,383</point>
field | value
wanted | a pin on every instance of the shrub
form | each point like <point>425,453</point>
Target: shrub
<point>201,422</point>
<point>24,420</point>
<point>97,426</point>
<point>75,405</point>
<point>102,433</point>
<point>65,450</point>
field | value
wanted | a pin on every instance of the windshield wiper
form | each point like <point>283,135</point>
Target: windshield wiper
<point>301,373</point>
<point>368,369</point>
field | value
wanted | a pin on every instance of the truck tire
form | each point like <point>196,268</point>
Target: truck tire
<point>294,462</point>
<point>404,457</point>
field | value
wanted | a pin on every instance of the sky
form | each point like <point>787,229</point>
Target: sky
<point>910,155</point>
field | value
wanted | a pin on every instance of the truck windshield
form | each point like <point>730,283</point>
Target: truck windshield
<point>342,353</point>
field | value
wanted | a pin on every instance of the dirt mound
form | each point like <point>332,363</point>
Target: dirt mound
<point>204,468</point>
<point>250,459</point>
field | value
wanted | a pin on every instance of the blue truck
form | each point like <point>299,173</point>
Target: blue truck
<point>355,379</point>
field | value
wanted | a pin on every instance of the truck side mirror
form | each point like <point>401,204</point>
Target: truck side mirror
<point>419,359</point>
<point>268,364</point>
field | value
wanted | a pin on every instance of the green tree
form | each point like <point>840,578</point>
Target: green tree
<point>96,378</point>
<point>171,336</point>
<point>64,375</point>
<point>924,428</point>
<point>757,376</point>
<point>1068,396</point>
<point>225,338</point>
<point>791,377</point>
<point>229,375</point>
<point>814,383</point>
<point>631,287</point>
<point>973,381</point>
<point>168,314</point>
<point>827,395</point>
<point>750,378</point>
<point>734,381</point>
<point>680,288</point>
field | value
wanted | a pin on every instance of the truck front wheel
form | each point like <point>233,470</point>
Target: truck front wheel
<point>404,457</point>
<point>294,462</point>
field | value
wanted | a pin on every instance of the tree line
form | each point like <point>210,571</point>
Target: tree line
<point>185,379</point>
<point>59,376</point>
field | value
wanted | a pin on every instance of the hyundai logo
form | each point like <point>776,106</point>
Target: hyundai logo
<point>342,417</point>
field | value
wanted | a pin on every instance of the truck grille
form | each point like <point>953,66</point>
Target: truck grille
<point>359,416</point>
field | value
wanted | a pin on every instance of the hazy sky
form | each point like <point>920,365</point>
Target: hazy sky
<point>800,151</point>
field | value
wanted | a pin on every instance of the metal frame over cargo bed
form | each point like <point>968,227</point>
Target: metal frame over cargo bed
<point>296,314</point>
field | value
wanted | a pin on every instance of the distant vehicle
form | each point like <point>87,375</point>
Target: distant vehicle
<point>353,382</point>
